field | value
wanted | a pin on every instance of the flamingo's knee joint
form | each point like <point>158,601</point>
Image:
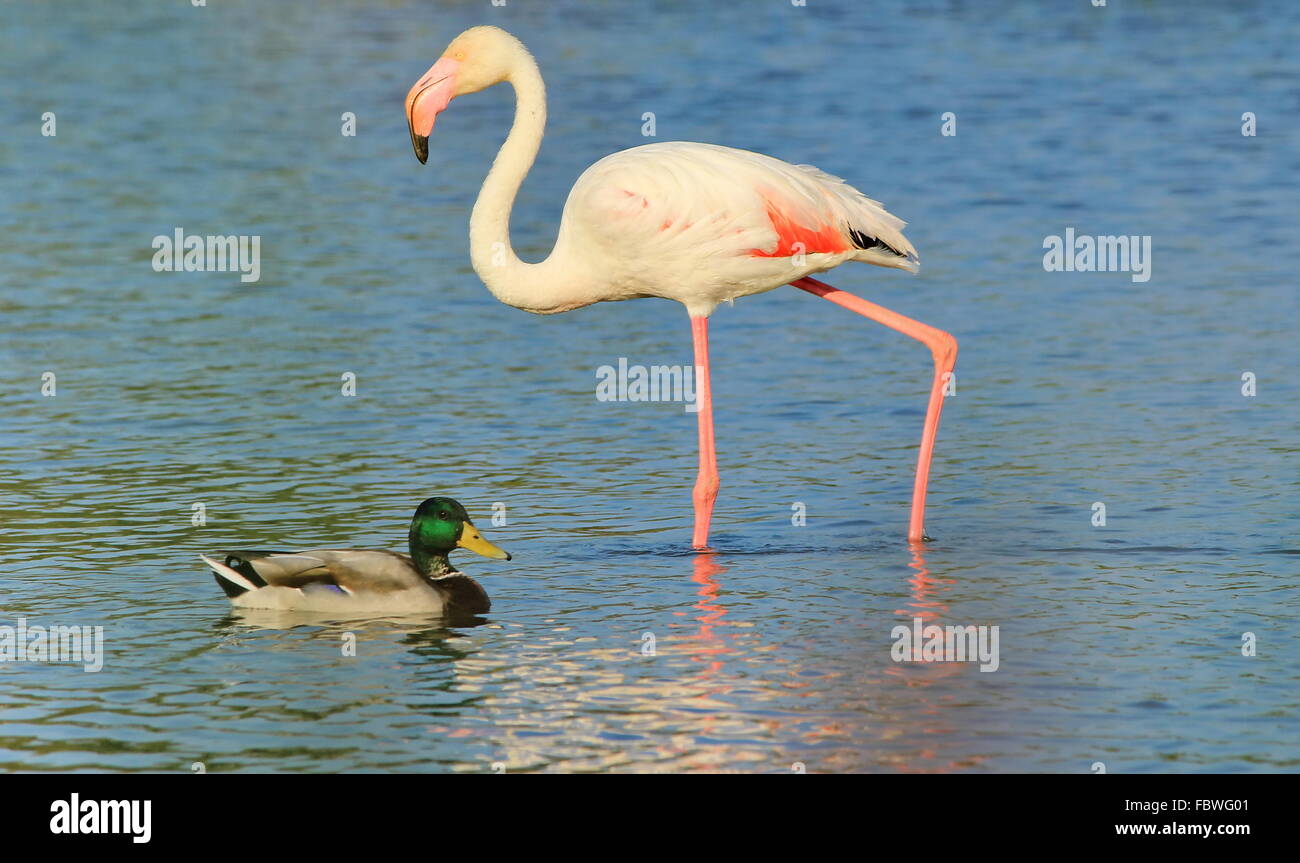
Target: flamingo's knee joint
<point>706,489</point>
<point>944,349</point>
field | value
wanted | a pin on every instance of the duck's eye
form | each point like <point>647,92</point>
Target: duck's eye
<point>444,514</point>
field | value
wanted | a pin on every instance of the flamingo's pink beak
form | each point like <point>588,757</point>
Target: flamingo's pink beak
<point>430,95</point>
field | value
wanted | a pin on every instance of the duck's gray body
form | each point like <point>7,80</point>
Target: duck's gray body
<point>341,579</point>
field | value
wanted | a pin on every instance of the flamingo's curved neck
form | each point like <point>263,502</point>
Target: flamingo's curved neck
<point>547,287</point>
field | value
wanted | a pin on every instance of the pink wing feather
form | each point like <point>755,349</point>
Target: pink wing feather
<point>719,201</point>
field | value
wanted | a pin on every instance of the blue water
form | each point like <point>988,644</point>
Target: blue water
<point>1119,644</point>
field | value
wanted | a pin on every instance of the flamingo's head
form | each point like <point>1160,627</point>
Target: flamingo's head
<point>475,60</point>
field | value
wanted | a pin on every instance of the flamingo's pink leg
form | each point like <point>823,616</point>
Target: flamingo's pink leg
<point>944,349</point>
<point>706,485</point>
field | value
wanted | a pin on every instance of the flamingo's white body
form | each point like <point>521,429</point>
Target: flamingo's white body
<point>696,223</point>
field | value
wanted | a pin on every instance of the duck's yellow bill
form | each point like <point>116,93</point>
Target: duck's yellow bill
<point>470,539</point>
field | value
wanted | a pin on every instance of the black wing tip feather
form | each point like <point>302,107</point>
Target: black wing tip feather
<point>866,243</point>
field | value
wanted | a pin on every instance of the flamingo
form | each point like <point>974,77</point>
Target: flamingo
<point>695,223</point>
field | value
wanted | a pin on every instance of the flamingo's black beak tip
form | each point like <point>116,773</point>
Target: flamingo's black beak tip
<point>419,142</point>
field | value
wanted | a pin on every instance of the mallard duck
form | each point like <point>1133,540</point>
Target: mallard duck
<point>357,579</point>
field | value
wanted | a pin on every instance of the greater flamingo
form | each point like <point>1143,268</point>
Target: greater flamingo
<point>696,223</point>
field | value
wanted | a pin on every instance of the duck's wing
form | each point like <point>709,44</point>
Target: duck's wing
<point>345,570</point>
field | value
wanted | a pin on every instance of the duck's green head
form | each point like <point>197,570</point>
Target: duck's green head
<point>441,525</point>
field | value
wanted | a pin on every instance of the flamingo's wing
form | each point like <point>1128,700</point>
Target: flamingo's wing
<point>722,201</point>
